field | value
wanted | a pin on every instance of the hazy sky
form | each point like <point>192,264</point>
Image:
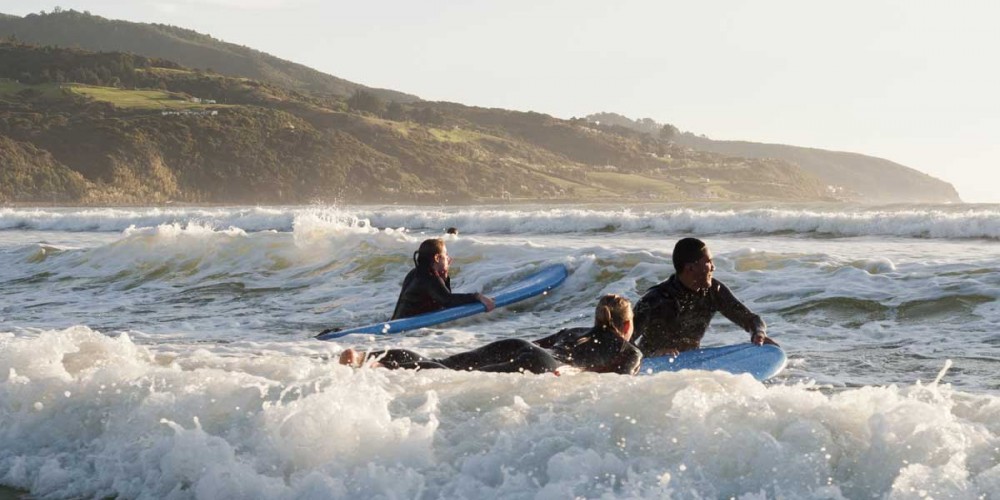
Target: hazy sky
<point>912,81</point>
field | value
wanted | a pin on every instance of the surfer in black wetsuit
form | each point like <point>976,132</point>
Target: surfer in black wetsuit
<point>603,348</point>
<point>427,287</point>
<point>674,315</point>
<point>507,356</point>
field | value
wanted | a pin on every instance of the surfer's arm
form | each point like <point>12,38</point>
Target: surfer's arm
<point>738,313</point>
<point>441,293</point>
<point>626,362</point>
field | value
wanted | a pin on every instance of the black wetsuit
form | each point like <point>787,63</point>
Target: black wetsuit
<point>508,356</point>
<point>593,349</point>
<point>670,316</point>
<point>424,291</point>
<point>590,349</point>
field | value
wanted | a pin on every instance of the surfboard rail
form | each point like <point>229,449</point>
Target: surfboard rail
<point>538,283</point>
<point>760,361</point>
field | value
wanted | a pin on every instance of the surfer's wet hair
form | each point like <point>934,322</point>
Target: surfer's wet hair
<point>613,311</point>
<point>687,251</point>
<point>424,256</point>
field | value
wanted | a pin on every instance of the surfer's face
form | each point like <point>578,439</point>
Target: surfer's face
<point>627,331</point>
<point>442,261</point>
<point>700,272</point>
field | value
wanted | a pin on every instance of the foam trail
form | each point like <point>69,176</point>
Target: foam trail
<point>937,222</point>
<point>116,220</point>
<point>943,372</point>
<point>934,221</point>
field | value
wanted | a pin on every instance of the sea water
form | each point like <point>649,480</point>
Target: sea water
<point>169,353</point>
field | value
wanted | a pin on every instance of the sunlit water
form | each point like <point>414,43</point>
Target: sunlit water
<point>168,353</point>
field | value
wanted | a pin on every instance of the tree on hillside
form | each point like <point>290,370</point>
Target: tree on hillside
<point>429,116</point>
<point>648,125</point>
<point>363,100</point>
<point>395,112</point>
<point>668,132</point>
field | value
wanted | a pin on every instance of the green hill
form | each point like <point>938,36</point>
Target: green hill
<point>68,28</point>
<point>850,176</point>
<point>378,144</point>
<point>105,128</point>
<point>855,176</point>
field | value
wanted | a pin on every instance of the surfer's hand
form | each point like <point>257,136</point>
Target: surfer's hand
<point>759,338</point>
<point>667,352</point>
<point>487,301</point>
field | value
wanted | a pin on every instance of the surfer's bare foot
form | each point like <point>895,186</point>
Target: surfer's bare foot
<point>351,358</point>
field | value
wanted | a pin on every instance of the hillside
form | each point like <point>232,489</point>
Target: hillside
<point>424,149</point>
<point>102,128</point>
<point>874,180</point>
<point>68,28</point>
<point>853,176</point>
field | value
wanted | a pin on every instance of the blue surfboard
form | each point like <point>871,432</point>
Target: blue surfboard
<point>536,284</point>
<point>761,361</point>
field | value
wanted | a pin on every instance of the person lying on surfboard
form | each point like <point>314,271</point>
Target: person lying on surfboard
<point>603,348</point>
<point>674,315</point>
<point>427,287</point>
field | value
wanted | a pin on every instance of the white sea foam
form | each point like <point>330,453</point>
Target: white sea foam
<point>86,415</point>
<point>118,219</point>
<point>938,221</point>
<point>931,222</point>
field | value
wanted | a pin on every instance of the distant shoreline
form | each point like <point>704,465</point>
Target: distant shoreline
<point>485,202</point>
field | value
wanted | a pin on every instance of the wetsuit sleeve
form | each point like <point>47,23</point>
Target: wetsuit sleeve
<point>735,311</point>
<point>627,362</point>
<point>653,316</point>
<point>553,340</point>
<point>440,291</point>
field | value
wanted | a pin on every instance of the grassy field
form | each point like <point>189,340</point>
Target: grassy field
<point>579,189</point>
<point>46,90</point>
<point>168,71</point>
<point>403,128</point>
<point>142,99</point>
<point>9,87</point>
<point>635,185</point>
<point>122,98</point>
<point>455,135</point>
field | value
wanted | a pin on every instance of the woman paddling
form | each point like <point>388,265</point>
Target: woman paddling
<point>427,287</point>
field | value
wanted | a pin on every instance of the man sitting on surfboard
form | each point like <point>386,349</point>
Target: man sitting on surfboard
<point>674,315</point>
<point>427,287</point>
<point>603,348</point>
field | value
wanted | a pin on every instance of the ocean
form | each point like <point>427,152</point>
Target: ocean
<point>169,353</point>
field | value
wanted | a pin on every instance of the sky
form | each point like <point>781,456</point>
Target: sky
<point>912,81</point>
